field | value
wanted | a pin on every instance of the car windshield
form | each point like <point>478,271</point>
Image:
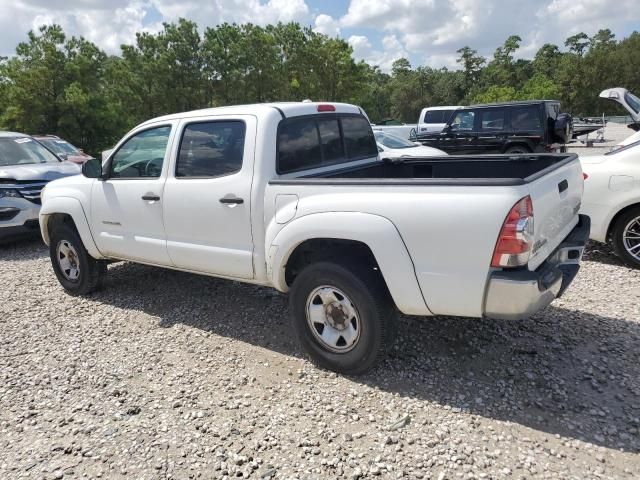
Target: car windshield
<point>59,146</point>
<point>391,141</point>
<point>23,151</point>
<point>633,101</point>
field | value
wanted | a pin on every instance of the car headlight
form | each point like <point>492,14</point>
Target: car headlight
<point>9,193</point>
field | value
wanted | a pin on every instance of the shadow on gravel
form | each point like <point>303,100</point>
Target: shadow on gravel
<point>563,372</point>
<point>602,253</point>
<point>23,249</point>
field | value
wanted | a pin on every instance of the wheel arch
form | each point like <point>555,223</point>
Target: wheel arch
<point>334,235</point>
<point>518,143</point>
<point>67,210</point>
<point>618,214</point>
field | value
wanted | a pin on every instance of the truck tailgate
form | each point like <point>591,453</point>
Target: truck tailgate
<point>556,197</point>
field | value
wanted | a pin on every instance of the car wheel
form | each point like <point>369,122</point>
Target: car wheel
<point>343,316</point>
<point>77,271</point>
<point>626,237</point>
<point>517,149</point>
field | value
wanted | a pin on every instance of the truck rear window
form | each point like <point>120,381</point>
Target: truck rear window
<point>322,140</point>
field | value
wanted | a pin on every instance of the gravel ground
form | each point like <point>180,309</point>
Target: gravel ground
<point>169,375</point>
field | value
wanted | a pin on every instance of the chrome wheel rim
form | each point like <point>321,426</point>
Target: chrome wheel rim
<point>631,238</point>
<point>333,319</point>
<point>68,260</point>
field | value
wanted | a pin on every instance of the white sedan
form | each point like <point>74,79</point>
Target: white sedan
<point>393,147</point>
<point>612,200</point>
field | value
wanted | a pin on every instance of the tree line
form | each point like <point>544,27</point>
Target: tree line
<point>70,87</point>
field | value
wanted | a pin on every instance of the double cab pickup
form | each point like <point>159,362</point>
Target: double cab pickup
<point>294,196</point>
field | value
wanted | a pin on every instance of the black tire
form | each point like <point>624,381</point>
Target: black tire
<point>517,149</point>
<point>90,270</point>
<point>369,296</point>
<point>617,236</point>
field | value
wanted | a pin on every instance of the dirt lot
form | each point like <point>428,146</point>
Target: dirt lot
<point>168,375</point>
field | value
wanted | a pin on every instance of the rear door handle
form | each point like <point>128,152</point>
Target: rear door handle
<point>231,200</point>
<point>150,198</point>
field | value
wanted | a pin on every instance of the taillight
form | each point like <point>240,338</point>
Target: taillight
<point>585,176</point>
<point>326,108</point>
<point>515,241</point>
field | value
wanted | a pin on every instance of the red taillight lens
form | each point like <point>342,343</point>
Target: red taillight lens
<point>326,108</point>
<point>516,237</point>
<point>585,176</point>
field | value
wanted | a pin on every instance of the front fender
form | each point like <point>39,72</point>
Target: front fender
<point>375,231</point>
<point>72,207</point>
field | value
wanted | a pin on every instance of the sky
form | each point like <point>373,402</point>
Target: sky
<point>427,32</point>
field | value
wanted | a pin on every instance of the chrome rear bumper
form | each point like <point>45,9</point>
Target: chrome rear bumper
<point>518,294</point>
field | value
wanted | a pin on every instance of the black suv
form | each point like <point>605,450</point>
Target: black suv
<point>514,127</point>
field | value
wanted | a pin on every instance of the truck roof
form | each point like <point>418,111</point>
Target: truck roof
<point>515,102</point>
<point>286,109</point>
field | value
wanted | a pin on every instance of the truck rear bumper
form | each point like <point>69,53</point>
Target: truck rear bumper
<point>518,294</point>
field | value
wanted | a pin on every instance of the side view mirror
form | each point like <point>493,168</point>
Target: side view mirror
<point>92,168</point>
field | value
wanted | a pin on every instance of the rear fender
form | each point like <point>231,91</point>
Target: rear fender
<point>73,208</point>
<point>378,233</point>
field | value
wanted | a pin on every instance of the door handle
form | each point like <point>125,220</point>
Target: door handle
<point>231,200</point>
<point>563,185</point>
<point>150,197</point>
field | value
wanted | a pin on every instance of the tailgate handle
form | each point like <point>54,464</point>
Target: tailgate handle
<point>562,186</point>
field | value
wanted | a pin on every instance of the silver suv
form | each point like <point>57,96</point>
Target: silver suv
<point>25,168</point>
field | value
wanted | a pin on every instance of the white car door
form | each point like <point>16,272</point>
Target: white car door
<point>207,211</point>
<point>126,207</point>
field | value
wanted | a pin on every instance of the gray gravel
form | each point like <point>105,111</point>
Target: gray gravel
<point>168,375</point>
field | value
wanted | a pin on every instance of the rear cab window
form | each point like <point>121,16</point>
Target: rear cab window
<point>321,140</point>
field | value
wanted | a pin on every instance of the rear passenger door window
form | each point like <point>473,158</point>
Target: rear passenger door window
<point>492,120</point>
<point>526,118</point>
<point>211,149</point>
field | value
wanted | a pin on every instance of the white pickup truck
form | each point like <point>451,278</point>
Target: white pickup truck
<point>294,196</point>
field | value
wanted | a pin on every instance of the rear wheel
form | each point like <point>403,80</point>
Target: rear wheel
<point>77,271</point>
<point>517,149</point>
<point>344,317</point>
<point>626,237</point>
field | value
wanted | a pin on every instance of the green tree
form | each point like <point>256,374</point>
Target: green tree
<point>496,94</point>
<point>578,43</point>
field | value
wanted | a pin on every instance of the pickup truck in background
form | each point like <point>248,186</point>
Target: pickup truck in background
<point>434,119</point>
<point>294,196</point>
<point>431,119</point>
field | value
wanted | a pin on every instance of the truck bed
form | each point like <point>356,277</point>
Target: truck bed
<point>448,210</point>
<point>450,170</point>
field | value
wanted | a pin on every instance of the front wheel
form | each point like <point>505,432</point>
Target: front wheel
<point>626,237</point>
<point>77,271</point>
<point>344,317</point>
